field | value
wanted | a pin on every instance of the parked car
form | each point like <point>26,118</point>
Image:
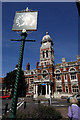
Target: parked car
<point>5,97</point>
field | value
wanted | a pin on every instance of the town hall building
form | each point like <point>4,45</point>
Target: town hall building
<point>49,78</point>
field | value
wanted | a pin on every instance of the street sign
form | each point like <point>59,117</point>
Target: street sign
<point>25,20</point>
<point>43,84</point>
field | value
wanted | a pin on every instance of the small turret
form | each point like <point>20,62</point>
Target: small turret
<point>37,65</point>
<point>16,66</point>
<point>47,38</point>
<point>28,66</point>
<point>63,60</point>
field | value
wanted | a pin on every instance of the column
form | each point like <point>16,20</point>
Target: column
<point>78,79</point>
<point>49,90</point>
<point>36,89</point>
<point>69,83</point>
<point>46,89</point>
<point>63,84</point>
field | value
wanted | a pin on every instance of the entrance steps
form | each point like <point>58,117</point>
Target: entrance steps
<point>42,97</point>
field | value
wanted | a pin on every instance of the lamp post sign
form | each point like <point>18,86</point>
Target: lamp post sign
<point>24,21</point>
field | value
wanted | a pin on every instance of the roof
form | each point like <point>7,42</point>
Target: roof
<point>67,63</point>
<point>47,38</point>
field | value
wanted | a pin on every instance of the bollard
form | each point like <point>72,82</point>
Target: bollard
<point>6,108</point>
<point>49,102</point>
<point>38,101</point>
<point>24,104</point>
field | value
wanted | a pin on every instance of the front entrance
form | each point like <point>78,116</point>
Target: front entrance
<point>39,90</point>
<point>43,89</point>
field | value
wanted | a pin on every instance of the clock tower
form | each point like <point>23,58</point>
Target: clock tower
<point>46,51</point>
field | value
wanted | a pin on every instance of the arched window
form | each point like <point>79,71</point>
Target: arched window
<point>44,74</point>
<point>72,70</point>
<point>58,76</point>
<point>72,73</point>
<point>47,53</point>
<point>43,54</point>
<point>31,72</point>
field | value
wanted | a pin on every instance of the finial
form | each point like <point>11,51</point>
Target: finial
<point>46,33</point>
<point>23,31</point>
<point>27,9</point>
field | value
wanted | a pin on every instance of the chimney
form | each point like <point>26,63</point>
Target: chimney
<point>16,66</point>
<point>63,60</point>
<point>78,58</point>
<point>28,66</point>
<point>37,65</point>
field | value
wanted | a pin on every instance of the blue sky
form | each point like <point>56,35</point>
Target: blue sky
<point>59,19</point>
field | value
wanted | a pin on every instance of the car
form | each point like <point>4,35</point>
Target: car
<point>5,97</point>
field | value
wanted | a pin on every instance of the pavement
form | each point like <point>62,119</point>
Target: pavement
<point>59,104</point>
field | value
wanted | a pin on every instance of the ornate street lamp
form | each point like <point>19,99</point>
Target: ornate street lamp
<point>78,6</point>
<point>25,20</point>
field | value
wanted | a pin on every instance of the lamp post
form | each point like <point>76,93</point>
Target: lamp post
<point>24,21</point>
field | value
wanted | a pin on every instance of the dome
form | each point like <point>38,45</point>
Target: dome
<point>47,38</point>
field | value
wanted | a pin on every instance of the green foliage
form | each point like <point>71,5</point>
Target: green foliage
<point>9,82</point>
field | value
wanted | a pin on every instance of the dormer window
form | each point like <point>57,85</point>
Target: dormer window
<point>72,73</point>
<point>31,72</point>
<point>58,76</point>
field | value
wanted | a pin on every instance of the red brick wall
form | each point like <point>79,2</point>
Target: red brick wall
<point>78,77</point>
<point>63,84</point>
<point>69,83</point>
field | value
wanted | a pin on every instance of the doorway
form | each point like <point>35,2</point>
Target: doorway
<point>39,90</point>
<point>43,89</point>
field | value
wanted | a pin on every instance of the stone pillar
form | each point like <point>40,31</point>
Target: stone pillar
<point>78,77</point>
<point>63,83</point>
<point>49,90</point>
<point>36,89</point>
<point>69,83</point>
<point>46,89</point>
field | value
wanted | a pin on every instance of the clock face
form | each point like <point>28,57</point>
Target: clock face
<point>26,20</point>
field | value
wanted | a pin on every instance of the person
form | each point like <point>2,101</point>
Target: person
<point>74,110</point>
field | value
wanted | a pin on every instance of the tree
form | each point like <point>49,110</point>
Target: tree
<point>9,82</point>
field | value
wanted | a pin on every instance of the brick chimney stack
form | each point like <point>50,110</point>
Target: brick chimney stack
<point>28,66</point>
<point>63,60</point>
<point>37,65</point>
<point>16,66</point>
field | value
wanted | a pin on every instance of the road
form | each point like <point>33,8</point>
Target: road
<point>59,104</point>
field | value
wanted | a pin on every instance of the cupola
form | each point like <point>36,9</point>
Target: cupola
<point>47,38</point>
